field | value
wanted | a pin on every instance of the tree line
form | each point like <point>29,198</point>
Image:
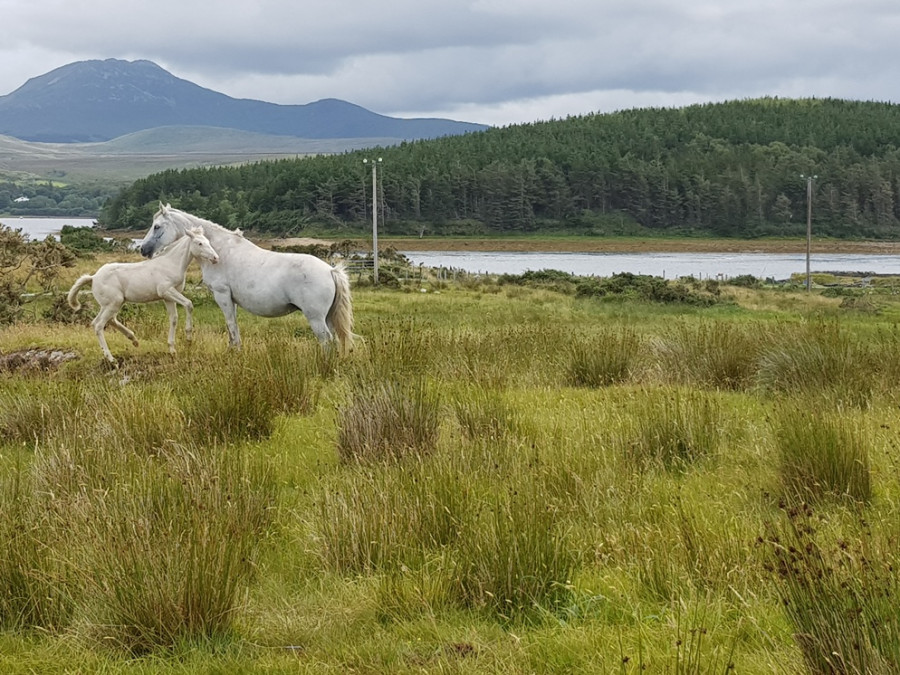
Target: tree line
<point>726,169</point>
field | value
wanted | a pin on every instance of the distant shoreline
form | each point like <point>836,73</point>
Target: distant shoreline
<point>588,244</point>
<point>638,245</point>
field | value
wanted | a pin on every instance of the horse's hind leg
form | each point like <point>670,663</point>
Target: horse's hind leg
<point>321,329</point>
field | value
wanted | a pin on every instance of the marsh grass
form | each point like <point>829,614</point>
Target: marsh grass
<point>839,596</point>
<point>538,527</point>
<point>610,357</point>
<point>171,545</point>
<point>714,354</point>
<point>35,589</point>
<point>514,558</point>
<point>31,412</point>
<point>388,517</point>
<point>485,412</point>
<point>673,427</point>
<point>816,357</point>
<point>822,454</point>
<point>388,420</point>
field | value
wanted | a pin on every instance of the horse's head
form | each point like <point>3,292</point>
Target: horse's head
<point>200,246</point>
<point>163,231</point>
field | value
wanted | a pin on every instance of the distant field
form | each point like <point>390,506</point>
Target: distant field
<point>127,158</point>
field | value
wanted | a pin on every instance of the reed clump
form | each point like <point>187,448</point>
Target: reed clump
<point>672,427</point>
<point>388,420</point>
<point>610,357</point>
<point>839,595</point>
<point>822,454</point>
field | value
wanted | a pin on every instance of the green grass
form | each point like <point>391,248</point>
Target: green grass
<point>497,480</point>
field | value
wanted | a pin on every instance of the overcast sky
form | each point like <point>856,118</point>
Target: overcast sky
<point>495,62</point>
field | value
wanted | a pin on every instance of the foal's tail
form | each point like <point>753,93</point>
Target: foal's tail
<point>340,316</point>
<point>72,297</point>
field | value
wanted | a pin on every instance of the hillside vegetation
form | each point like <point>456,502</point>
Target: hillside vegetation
<point>728,169</point>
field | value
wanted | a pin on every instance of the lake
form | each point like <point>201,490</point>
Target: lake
<point>668,265</point>
<point>39,228</point>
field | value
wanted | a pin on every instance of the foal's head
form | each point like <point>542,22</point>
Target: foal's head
<point>200,246</point>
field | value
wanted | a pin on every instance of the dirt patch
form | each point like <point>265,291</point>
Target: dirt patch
<point>35,360</point>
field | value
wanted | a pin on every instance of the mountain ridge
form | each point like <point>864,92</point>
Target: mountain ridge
<point>99,100</point>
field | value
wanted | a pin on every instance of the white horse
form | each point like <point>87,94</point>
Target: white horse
<point>161,278</point>
<point>265,283</point>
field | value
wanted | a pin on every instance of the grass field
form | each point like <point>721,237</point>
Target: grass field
<point>499,479</point>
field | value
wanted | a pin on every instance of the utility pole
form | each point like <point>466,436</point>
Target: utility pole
<point>809,184</point>
<point>375,163</point>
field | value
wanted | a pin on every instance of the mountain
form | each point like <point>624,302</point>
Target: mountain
<point>93,101</point>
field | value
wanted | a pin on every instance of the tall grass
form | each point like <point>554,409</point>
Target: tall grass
<point>822,454</point>
<point>818,357</point>
<point>514,557</point>
<point>388,420</point>
<point>840,598</point>
<point>672,427</point>
<point>607,358</point>
<point>35,588</point>
<point>716,354</point>
<point>163,545</point>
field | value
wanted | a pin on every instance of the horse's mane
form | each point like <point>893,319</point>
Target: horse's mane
<point>192,220</point>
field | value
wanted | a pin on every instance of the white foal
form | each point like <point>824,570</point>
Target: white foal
<point>160,278</point>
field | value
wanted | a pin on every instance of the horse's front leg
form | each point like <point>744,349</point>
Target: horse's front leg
<point>229,309</point>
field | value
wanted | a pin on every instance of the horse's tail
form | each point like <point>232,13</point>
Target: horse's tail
<point>72,297</point>
<point>340,315</point>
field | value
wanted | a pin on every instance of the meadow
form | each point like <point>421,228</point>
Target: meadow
<point>501,478</point>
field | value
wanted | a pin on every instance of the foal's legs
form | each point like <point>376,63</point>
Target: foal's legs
<point>124,330</point>
<point>107,313</point>
<point>171,298</point>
